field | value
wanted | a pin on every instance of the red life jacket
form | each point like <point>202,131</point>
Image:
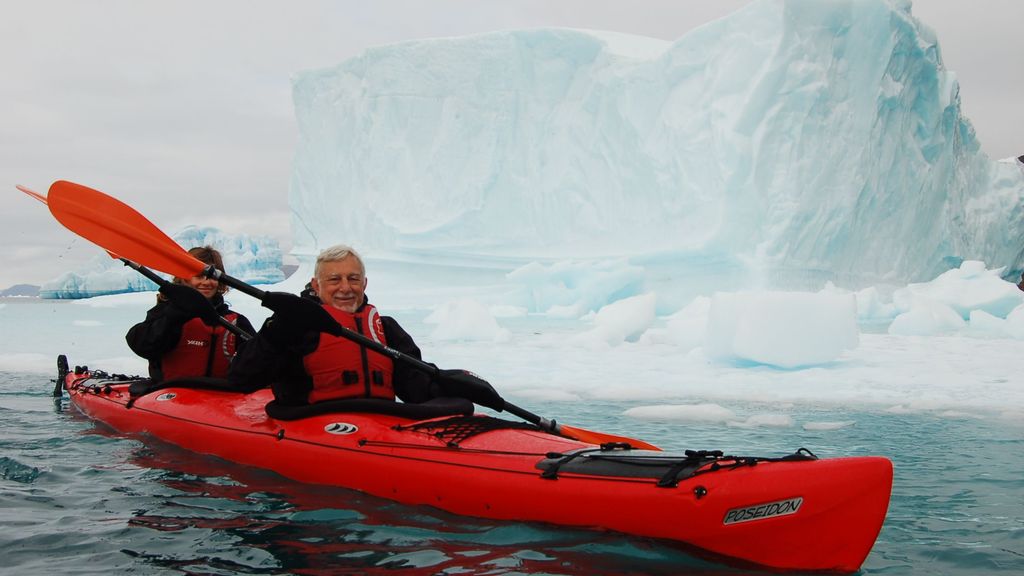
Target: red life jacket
<point>341,368</point>
<point>201,351</point>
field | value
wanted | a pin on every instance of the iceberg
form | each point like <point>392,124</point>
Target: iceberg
<point>791,144</point>
<point>254,259</point>
<point>782,329</point>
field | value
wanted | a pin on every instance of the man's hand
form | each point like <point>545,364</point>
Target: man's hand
<point>465,384</point>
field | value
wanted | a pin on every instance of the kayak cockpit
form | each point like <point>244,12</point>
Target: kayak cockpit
<point>138,387</point>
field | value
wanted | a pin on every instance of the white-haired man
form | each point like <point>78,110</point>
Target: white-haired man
<point>306,363</point>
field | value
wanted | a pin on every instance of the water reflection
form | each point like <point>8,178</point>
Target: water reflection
<point>251,521</point>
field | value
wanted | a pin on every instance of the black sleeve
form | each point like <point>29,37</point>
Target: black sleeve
<point>259,363</point>
<point>158,333</point>
<point>412,385</point>
<point>245,326</point>
<point>243,323</point>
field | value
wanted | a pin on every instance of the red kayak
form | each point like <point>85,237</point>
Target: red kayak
<point>796,512</point>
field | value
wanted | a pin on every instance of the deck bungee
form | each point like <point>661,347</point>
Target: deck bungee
<point>797,512</point>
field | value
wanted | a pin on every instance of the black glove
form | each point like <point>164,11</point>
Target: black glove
<point>465,384</point>
<point>187,302</point>
<point>303,312</point>
<point>282,330</point>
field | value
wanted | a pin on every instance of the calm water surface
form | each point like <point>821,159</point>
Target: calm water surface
<point>76,498</point>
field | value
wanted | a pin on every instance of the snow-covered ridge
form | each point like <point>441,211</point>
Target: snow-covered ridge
<point>254,259</point>
<point>794,142</point>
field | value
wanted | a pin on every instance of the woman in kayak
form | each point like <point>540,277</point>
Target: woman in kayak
<point>182,336</point>
<point>305,366</point>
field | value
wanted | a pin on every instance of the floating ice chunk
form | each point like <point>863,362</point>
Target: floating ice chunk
<point>784,329</point>
<point>1015,323</point>
<point>870,307</point>
<point>696,413</point>
<point>957,414</point>
<point>983,324</point>
<point>625,320</point>
<point>964,289</point>
<point>465,319</point>
<point>765,421</point>
<point>927,318</point>
<point>824,426</point>
<point>687,327</point>
<point>572,311</point>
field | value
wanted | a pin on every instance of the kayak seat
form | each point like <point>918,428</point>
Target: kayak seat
<point>433,408</point>
<point>143,387</point>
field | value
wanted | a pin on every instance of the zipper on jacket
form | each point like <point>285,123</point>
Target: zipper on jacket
<point>213,346</point>
<point>366,359</point>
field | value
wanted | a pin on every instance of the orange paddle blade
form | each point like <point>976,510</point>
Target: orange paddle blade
<point>118,228</point>
<point>42,199</point>
<point>584,435</point>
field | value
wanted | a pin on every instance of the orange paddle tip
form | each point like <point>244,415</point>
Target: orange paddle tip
<point>31,193</point>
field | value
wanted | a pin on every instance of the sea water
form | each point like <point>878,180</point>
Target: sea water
<point>78,498</point>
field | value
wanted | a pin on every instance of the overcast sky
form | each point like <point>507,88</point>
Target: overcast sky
<point>183,109</point>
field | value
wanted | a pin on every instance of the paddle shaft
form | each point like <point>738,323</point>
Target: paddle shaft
<point>211,272</point>
<point>228,325</point>
<point>371,344</point>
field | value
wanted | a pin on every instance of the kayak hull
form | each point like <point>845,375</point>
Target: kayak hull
<point>805,514</point>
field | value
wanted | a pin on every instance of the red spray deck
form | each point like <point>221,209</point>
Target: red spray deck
<point>795,513</point>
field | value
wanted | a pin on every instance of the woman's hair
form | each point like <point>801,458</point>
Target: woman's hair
<point>207,255</point>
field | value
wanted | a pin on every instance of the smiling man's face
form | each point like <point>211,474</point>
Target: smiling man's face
<point>341,284</point>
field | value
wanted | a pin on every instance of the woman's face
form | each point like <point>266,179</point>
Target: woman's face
<point>206,286</point>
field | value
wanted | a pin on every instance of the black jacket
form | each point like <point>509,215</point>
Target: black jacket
<point>262,362</point>
<point>160,332</point>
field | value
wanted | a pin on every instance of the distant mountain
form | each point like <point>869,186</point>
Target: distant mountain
<point>25,290</point>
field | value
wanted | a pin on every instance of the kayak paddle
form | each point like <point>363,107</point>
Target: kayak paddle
<point>119,228</point>
<point>156,278</point>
